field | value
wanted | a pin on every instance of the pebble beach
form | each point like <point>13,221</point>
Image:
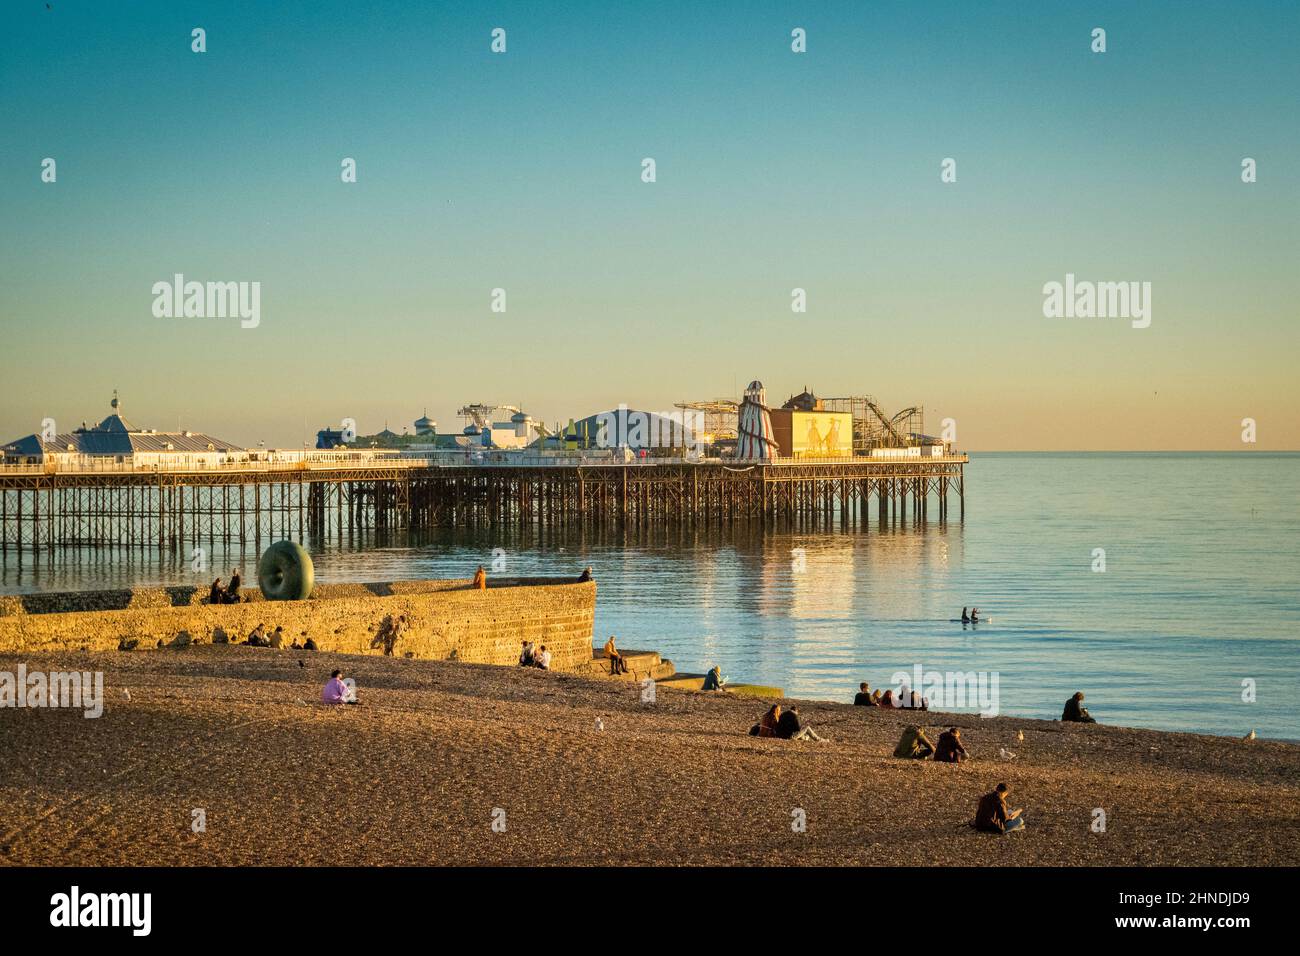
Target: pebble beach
<point>447,763</point>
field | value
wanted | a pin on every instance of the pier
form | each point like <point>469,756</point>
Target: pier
<point>334,496</point>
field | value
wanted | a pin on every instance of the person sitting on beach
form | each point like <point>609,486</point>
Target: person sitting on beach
<point>232,590</point>
<point>544,659</point>
<point>713,679</point>
<point>965,618</point>
<point>888,700</point>
<point>295,645</point>
<point>526,654</point>
<point>309,645</point>
<point>338,692</point>
<point>876,698</point>
<point>766,726</point>
<point>616,663</point>
<point>789,727</point>
<point>276,640</point>
<point>480,579</point>
<point>949,748</point>
<point>914,744</point>
<point>217,594</point>
<point>1076,712</point>
<point>585,575</point>
<point>863,697</point>
<point>992,815</point>
<point>256,637</point>
<point>919,702</point>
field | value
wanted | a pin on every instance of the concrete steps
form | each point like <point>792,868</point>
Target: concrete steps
<point>643,664</point>
<point>640,664</point>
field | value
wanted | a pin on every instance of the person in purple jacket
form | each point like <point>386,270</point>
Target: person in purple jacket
<point>335,690</point>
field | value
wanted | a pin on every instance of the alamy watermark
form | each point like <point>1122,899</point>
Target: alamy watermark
<point>82,690</point>
<point>1083,299</point>
<point>208,300</point>
<point>679,428</point>
<point>950,690</point>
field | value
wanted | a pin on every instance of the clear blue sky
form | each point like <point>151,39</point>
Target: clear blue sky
<point>775,171</point>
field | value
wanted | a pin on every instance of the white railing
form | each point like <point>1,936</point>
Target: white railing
<point>335,461</point>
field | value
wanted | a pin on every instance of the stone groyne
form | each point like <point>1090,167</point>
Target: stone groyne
<point>445,619</point>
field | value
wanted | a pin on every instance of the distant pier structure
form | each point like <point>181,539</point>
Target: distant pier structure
<point>115,486</point>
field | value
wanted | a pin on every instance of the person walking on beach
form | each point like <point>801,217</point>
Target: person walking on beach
<point>949,749</point>
<point>1075,712</point>
<point>217,594</point>
<point>713,679</point>
<point>789,727</point>
<point>992,815</point>
<point>616,663</point>
<point>863,697</point>
<point>480,579</point>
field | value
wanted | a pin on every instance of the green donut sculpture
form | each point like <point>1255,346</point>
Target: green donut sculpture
<point>285,572</point>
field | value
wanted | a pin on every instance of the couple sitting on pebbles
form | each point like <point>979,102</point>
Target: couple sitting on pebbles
<point>915,745</point>
<point>783,724</point>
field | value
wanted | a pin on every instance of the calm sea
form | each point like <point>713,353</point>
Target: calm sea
<point>1200,592</point>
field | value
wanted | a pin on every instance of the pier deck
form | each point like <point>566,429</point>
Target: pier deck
<point>117,505</point>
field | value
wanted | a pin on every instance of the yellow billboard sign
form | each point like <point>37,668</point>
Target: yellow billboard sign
<point>821,434</point>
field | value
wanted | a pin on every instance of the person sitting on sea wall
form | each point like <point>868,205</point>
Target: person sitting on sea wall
<point>1076,712</point>
<point>526,654</point>
<point>949,748</point>
<point>216,594</point>
<point>766,726</point>
<point>232,590</point>
<point>544,658</point>
<point>863,697</point>
<point>480,579</point>
<point>914,744</point>
<point>585,575</point>
<point>992,815</point>
<point>713,680</point>
<point>789,727</point>
<point>616,663</point>
<point>888,700</point>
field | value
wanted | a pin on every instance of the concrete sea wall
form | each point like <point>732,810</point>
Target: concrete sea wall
<point>445,619</point>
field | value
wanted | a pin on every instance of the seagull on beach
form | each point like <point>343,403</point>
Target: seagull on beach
<point>600,724</point>
<point>127,694</point>
<point>1249,736</point>
<point>1020,735</point>
<point>1006,754</point>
